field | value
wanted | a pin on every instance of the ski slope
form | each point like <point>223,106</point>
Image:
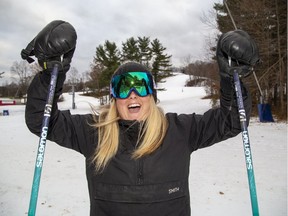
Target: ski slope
<point>218,179</point>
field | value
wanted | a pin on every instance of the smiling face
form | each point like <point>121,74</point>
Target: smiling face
<point>134,107</point>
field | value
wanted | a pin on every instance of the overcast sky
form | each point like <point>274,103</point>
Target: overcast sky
<point>176,23</point>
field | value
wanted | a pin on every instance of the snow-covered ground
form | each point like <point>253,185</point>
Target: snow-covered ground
<point>218,178</point>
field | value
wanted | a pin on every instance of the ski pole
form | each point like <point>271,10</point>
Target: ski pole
<point>246,144</point>
<point>245,135</point>
<point>235,27</point>
<point>42,142</point>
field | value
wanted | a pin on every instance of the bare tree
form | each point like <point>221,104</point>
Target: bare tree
<point>23,73</point>
<point>73,76</point>
<point>266,22</point>
<point>209,19</point>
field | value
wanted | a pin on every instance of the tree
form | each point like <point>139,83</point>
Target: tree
<point>74,80</point>
<point>266,22</point>
<point>161,61</point>
<point>108,59</point>
<point>23,72</point>
<point>73,76</point>
<point>94,79</point>
<point>130,50</point>
<point>144,51</point>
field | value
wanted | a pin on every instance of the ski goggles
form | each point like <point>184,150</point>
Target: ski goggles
<point>140,82</point>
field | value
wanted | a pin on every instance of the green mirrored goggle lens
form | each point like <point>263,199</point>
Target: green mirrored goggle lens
<point>139,82</point>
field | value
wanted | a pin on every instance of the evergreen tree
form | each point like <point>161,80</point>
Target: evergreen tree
<point>108,58</point>
<point>161,66</point>
<point>145,51</point>
<point>130,50</point>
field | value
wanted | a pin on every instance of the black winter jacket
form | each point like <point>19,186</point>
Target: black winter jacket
<point>155,185</point>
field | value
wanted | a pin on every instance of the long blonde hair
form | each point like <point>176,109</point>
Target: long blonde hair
<point>151,135</point>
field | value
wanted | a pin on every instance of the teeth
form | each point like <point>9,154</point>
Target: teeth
<point>133,105</point>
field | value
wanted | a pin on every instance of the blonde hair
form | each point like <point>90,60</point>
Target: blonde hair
<point>150,137</point>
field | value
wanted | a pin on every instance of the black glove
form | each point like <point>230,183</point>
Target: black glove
<point>243,52</point>
<point>55,44</point>
<point>62,62</point>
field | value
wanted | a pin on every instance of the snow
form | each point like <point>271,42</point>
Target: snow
<point>218,178</point>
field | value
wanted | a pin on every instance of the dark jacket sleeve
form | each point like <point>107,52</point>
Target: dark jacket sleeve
<point>71,131</point>
<point>216,124</point>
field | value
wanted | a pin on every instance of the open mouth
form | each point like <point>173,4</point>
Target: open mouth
<point>134,107</point>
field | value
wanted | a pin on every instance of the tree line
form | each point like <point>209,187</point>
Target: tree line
<point>108,57</point>
<point>264,20</point>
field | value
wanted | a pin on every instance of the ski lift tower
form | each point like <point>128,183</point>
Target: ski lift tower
<point>73,95</point>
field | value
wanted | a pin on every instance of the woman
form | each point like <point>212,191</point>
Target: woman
<point>137,157</point>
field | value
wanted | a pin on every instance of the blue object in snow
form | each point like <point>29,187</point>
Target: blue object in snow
<point>264,112</point>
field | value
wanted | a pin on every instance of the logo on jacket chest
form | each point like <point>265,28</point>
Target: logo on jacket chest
<point>173,190</point>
